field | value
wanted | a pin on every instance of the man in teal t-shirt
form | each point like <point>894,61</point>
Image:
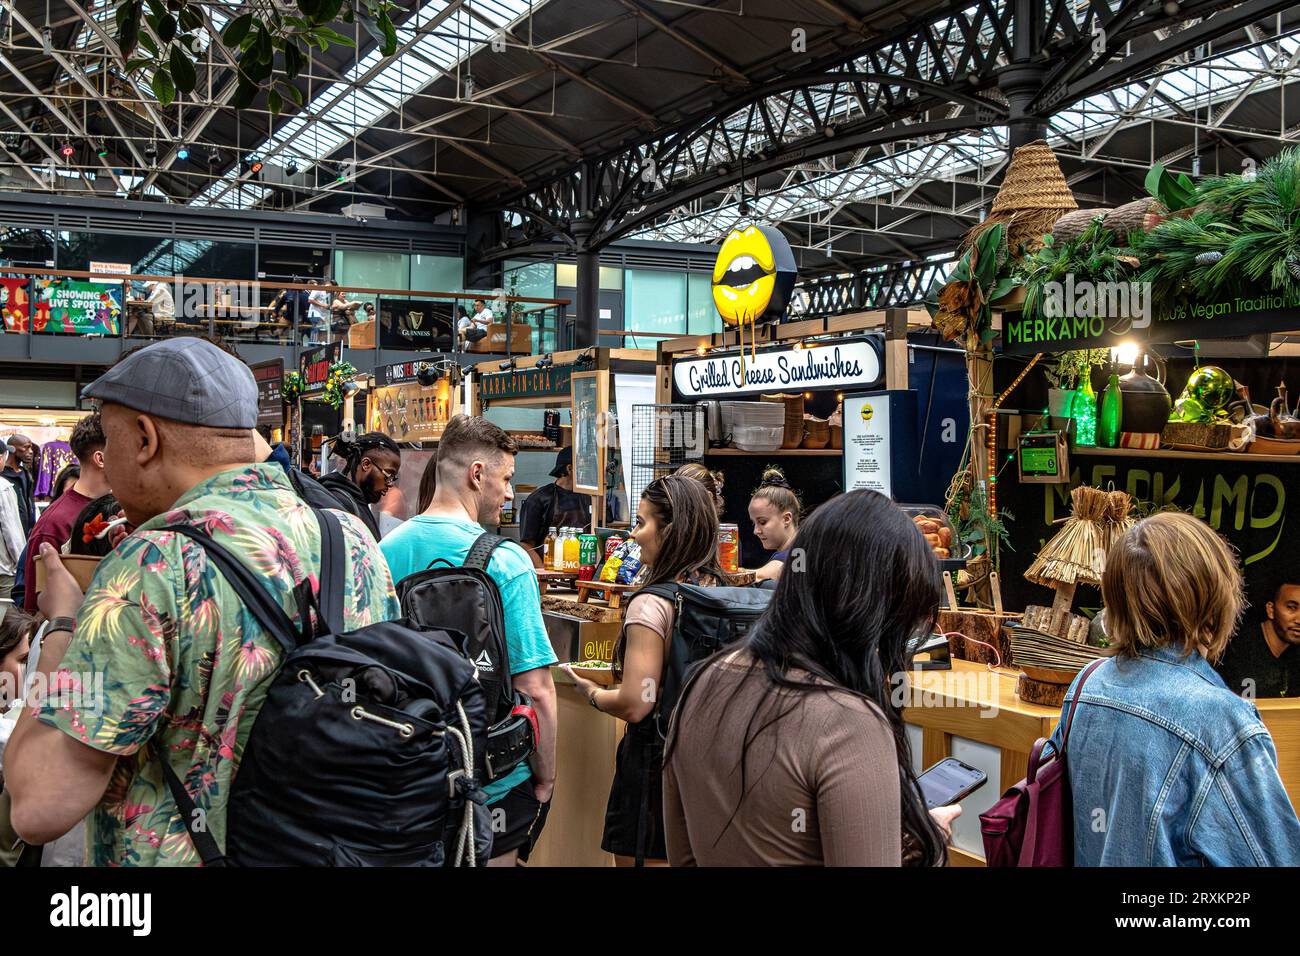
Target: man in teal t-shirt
<point>476,461</point>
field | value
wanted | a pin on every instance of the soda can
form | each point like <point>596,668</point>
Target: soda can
<point>588,550</point>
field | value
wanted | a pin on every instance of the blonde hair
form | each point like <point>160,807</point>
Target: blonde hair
<point>1170,580</point>
<point>711,480</point>
<point>774,489</point>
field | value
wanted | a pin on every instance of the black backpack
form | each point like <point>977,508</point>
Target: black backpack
<point>705,620</point>
<point>465,599</point>
<point>369,748</point>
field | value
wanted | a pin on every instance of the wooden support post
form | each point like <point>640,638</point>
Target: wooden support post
<point>896,354</point>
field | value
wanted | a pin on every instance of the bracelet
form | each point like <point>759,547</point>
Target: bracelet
<point>68,624</point>
<point>591,699</point>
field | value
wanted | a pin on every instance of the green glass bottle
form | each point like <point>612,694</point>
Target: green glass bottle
<point>1083,410</point>
<point>1111,414</point>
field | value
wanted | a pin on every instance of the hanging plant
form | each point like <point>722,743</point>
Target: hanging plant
<point>960,306</point>
<point>292,386</point>
<point>339,375</point>
<point>271,43</point>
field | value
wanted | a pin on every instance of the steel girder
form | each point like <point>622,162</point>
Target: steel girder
<point>897,284</point>
<point>949,64</point>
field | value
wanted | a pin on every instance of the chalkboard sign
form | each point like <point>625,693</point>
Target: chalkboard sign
<point>1252,503</point>
<point>590,399</point>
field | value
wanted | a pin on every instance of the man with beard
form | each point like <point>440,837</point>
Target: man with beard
<point>18,471</point>
<point>372,463</point>
<point>1266,663</point>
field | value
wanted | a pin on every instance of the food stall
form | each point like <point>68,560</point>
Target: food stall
<point>547,402</point>
<point>1117,358</point>
<point>868,400</point>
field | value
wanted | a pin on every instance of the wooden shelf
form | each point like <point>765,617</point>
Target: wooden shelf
<point>812,452</point>
<point>1174,453</point>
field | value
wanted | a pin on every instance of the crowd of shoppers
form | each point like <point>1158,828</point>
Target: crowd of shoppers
<point>785,748</point>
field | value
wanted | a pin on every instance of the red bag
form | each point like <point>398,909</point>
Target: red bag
<point>1033,823</point>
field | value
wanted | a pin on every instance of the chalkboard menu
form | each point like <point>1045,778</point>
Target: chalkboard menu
<point>270,406</point>
<point>590,399</point>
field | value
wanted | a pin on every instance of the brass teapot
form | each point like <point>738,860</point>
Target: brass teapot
<point>1282,422</point>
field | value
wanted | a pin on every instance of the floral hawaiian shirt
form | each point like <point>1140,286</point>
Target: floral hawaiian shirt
<point>183,667</point>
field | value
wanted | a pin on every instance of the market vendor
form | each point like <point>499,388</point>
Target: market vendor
<point>1266,662</point>
<point>553,506</point>
<point>775,510</point>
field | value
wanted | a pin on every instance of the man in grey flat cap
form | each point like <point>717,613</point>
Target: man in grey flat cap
<point>187,673</point>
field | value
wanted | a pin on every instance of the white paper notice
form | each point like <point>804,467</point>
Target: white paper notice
<point>866,444</point>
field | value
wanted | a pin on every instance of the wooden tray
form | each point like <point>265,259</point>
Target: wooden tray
<point>546,578</point>
<point>612,593</point>
<point>1273,446</point>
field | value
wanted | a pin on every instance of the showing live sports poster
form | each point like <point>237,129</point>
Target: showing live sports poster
<point>14,304</point>
<point>78,307</point>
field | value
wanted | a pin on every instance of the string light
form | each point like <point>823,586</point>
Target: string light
<point>991,456</point>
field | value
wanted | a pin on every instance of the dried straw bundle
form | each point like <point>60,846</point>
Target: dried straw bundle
<point>1077,553</point>
<point>1033,195</point>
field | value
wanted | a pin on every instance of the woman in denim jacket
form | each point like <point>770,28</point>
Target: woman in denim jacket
<point>1167,766</point>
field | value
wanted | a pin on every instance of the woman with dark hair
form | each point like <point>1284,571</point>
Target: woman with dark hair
<point>677,530</point>
<point>65,479</point>
<point>371,464</point>
<point>91,534</point>
<point>799,723</point>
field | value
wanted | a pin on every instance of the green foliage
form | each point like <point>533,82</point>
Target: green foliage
<point>1070,366</point>
<point>1253,222</point>
<point>1095,255</point>
<point>985,534</point>
<point>1174,192</point>
<point>271,45</point>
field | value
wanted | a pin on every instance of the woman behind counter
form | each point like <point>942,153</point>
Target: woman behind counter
<point>677,529</point>
<point>775,510</point>
<point>798,724</point>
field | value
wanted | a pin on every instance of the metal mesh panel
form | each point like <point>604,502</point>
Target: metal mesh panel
<point>664,437</point>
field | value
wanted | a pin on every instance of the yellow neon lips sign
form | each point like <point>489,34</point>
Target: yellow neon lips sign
<point>753,275</point>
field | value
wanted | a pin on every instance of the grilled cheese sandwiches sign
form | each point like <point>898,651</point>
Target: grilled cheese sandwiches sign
<point>849,364</point>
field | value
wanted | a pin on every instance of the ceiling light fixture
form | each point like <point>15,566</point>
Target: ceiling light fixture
<point>182,152</point>
<point>66,150</point>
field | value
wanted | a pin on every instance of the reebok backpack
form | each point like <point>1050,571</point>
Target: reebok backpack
<point>465,600</point>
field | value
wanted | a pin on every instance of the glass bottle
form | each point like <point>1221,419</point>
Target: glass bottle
<point>548,550</point>
<point>1083,410</point>
<point>1112,413</point>
<point>571,547</point>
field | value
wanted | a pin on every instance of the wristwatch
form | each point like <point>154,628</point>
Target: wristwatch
<point>68,624</point>
<point>591,699</point>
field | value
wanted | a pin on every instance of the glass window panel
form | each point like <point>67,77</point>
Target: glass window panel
<point>655,302</point>
<point>702,316</point>
<point>566,274</point>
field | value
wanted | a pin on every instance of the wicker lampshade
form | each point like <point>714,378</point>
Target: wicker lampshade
<point>1033,195</point>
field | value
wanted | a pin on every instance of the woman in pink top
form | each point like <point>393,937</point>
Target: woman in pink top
<point>677,529</point>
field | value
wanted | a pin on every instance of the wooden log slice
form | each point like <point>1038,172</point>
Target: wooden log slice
<point>1040,692</point>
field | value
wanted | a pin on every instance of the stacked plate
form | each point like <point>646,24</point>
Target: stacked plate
<point>1034,649</point>
<point>741,414</point>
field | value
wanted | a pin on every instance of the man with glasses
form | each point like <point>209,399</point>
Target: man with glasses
<point>371,463</point>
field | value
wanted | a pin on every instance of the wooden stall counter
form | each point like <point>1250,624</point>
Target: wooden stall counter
<point>972,713</point>
<point>584,757</point>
